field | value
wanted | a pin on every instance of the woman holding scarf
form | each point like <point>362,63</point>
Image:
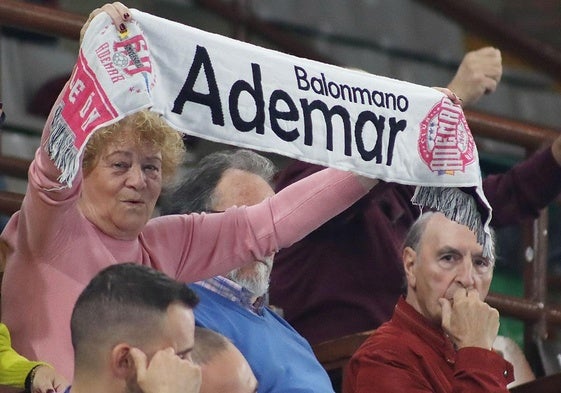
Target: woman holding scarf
<point>64,235</point>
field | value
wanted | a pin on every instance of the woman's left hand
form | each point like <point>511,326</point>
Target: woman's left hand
<point>450,94</point>
<point>118,12</point>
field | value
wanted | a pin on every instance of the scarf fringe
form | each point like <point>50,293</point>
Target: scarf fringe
<point>458,206</point>
<point>61,148</point>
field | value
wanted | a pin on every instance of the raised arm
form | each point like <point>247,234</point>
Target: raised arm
<point>242,234</point>
<point>479,73</point>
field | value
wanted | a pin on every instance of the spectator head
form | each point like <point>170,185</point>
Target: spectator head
<point>221,180</point>
<point>124,306</point>
<point>223,367</point>
<point>439,257</point>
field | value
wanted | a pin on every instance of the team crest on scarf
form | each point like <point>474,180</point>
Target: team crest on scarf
<point>124,58</point>
<point>445,141</point>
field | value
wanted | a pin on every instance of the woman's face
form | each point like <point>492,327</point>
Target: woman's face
<point>120,192</point>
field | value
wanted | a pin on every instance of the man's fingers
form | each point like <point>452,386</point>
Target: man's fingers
<point>446,312</point>
<point>472,293</point>
<point>140,362</point>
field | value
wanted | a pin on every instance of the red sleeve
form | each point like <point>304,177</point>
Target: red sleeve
<point>481,370</point>
<point>523,190</point>
<point>393,371</point>
<point>384,372</point>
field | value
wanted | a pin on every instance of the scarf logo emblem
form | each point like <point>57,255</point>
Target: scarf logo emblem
<point>136,49</point>
<point>125,58</point>
<point>445,141</point>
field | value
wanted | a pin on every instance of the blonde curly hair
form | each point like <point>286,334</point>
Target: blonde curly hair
<point>149,128</point>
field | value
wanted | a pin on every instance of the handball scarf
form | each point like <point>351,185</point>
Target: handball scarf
<point>228,91</point>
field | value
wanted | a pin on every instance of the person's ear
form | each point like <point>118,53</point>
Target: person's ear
<point>409,258</point>
<point>122,364</point>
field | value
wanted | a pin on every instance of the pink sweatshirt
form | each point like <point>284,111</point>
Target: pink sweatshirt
<point>58,251</point>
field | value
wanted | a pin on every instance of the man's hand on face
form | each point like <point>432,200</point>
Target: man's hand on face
<point>468,321</point>
<point>166,372</point>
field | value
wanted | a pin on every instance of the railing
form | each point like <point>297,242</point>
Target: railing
<point>533,309</point>
<point>40,19</point>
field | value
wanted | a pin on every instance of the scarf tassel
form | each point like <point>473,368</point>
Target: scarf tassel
<point>457,206</point>
<point>61,148</point>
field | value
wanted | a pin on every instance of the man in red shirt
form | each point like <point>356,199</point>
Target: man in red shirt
<point>441,334</point>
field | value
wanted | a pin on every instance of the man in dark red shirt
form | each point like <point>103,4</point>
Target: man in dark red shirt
<point>441,334</point>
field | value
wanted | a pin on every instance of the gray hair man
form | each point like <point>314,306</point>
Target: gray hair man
<point>235,304</point>
<point>441,334</point>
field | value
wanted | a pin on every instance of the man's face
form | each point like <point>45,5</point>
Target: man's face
<point>448,258</point>
<point>177,332</point>
<point>238,188</point>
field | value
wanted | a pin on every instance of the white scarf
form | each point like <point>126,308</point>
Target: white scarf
<point>233,92</point>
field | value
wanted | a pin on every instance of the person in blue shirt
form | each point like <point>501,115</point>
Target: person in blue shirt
<point>235,304</point>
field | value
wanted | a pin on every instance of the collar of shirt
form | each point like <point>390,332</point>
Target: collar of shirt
<point>234,292</point>
<point>406,315</point>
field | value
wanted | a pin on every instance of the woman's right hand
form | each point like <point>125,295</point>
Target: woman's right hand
<point>118,12</point>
